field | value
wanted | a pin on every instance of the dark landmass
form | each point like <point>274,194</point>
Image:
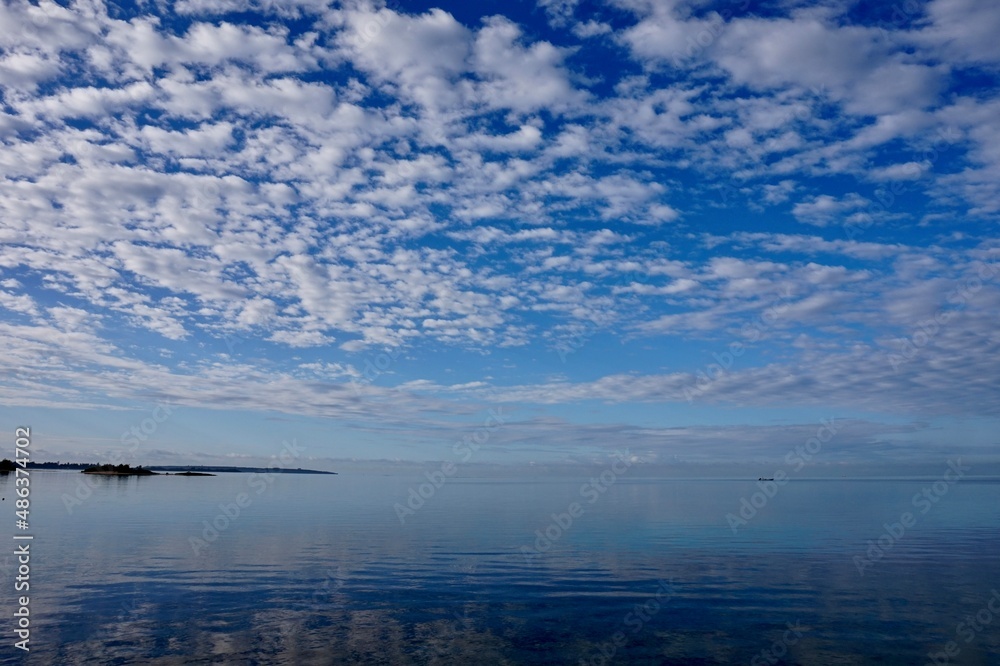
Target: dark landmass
<point>60,465</point>
<point>7,465</point>
<point>258,470</point>
<point>119,470</point>
<point>127,470</point>
<point>207,469</point>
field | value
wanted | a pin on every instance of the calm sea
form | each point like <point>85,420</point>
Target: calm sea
<point>322,570</point>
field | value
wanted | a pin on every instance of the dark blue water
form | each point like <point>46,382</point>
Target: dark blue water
<point>320,570</point>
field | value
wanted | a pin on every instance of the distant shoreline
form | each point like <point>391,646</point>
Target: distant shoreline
<point>142,472</point>
<point>244,470</point>
<point>175,470</point>
<point>109,469</point>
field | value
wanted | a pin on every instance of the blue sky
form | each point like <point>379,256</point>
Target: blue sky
<point>694,229</point>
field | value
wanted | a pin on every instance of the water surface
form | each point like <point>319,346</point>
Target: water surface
<point>320,569</point>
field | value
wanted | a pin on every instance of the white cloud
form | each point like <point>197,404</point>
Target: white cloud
<point>849,63</point>
<point>423,55</point>
<point>964,29</point>
<point>590,29</point>
<point>27,70</point>
<point>665,35</point>
<point>904,171</point>
<point>523,78</point>
<point>824,209</point>
<point>559,12</point>
<point>527,137</point>
<point>301,338</point>
<point>22,303</point>
<point>375,179</point>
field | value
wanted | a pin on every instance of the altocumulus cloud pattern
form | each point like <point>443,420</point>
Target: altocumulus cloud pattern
<point>668,204</point>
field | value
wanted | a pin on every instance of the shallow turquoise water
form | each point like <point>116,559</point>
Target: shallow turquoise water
<point>320,569</point>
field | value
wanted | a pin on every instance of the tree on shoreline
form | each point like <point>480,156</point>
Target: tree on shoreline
<point>117,469</point>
